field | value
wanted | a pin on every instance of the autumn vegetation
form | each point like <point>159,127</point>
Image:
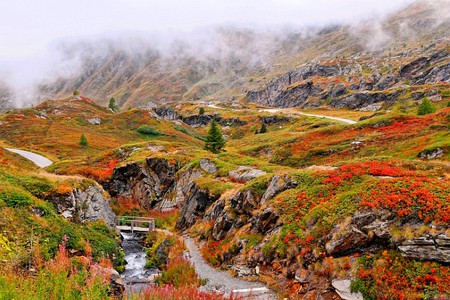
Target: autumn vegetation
<point>386,170</point>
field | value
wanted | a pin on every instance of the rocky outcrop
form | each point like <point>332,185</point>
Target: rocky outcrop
<point>277,185</point>
<point>149,183</point>
<point>364,99</point>
<point>245,173</point>
<point>244,202</point>
<point>85,204</point>
<point>271,120</point>
<point>296,88</point>
<point>418,67</point>
<point>345,239</point>
<point>194,206</point>
<point>167,113</point>
<point>371,229</point>
<point>266,220</point>
<point>431,154</point>
<point>277,96</point>
<point>300,88</point>
<point>208,166</point>
<point>203,120</point>
<point>427,247</point>
<point>95,121</point>
<point>197,120</point>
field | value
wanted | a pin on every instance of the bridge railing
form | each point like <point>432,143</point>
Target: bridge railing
<point>133,222</point>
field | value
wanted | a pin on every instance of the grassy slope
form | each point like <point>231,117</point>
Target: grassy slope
<point>392,140</point>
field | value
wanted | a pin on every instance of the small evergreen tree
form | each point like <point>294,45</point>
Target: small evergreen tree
<point>201,111</point>
<point>215,140</point>
<point>263,128</point>
<point>426,107</point>
<point>112,104</point>
<point>83,141</point>
<point>76,93</point>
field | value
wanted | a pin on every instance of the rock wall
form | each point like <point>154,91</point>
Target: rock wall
<point>300,88</point>
<point>85,204</point>
<point>149,183</point>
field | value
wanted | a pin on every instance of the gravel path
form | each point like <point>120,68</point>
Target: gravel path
<point>277,110</point>
<point>39,160</point>
<point>217,280</point>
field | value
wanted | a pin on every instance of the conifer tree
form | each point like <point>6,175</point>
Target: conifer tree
<point>426,107</point>
<point>263,128</point>
<point>83,141</point>
<point>215,140</point>
<point>112,104</point>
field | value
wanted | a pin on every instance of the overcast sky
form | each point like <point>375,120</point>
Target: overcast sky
<point>29,26</point>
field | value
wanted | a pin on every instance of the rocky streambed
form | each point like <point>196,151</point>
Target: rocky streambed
<point>135,276</point>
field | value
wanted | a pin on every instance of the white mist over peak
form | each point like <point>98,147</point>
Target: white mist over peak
<point>44,40</point>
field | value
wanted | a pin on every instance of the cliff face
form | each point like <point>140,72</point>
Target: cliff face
<point>90,203</point>
<point>345,86</point>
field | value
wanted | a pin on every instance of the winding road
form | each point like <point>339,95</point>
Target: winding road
<point>37,159</point>
<point>278,110</point>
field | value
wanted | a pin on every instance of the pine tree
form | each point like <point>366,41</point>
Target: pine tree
<point>215,140</point>
<point>426,107</point>
<point>263,128</point>
<point>112,104</point>
<point>83,141</point>
<point>201,111</point>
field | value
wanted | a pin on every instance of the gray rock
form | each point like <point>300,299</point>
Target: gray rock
<point>244,202</point>
<point>277,185</point>
<point>431,154</point>
<point>194,206</point>
<point>427,248</point>
<point>95,121</point>
<point>117,284</point>
<point>222,225</point>
<point>342,288</point>
<point>346,238</point>
<point>208,166</point>
<point>365,98</point>
<point>87,204</point>
<point>266,220</point>
<point>166,112</point>
<point>379,228</point>
<point>244,173</point>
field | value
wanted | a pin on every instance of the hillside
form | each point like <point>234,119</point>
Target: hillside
<point>310,202</point>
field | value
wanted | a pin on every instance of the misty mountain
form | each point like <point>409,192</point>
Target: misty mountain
<point>284,67</point>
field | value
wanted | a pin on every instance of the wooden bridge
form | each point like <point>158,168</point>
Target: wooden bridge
<point>135,224</point>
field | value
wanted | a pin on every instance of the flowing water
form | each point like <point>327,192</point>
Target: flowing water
<point>135,276</point>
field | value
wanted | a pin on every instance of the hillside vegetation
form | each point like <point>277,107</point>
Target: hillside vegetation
<point>335,166</point>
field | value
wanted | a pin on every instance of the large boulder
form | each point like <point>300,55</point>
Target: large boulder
<point>85,204</point>
<point>208,166</point>
<point>245,173</point>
